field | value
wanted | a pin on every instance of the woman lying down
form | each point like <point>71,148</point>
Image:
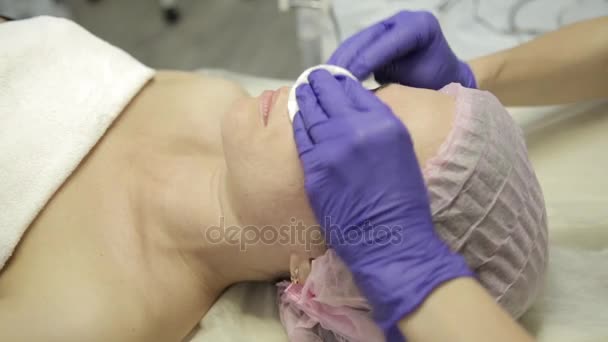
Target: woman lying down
<point>132,198</point>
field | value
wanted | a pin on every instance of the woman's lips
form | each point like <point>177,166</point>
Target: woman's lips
<point>267,101</point>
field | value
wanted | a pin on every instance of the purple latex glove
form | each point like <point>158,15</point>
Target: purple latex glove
<point>408,48</point>
<point>367,192</point>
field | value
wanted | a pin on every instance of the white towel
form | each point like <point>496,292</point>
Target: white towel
<point>60,89</point>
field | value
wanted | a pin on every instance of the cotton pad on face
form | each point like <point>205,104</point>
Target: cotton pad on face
<point>292,103</point>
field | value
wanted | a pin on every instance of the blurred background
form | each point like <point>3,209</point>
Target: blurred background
<point>246,36</point>
<point>279,38</point>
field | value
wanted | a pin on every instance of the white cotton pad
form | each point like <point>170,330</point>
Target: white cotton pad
<point>292,103</point>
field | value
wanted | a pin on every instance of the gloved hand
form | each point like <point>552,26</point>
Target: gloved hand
<point>408,48</point>
<point>367,192</point>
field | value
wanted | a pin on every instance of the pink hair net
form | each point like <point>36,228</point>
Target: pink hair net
<point>486,203</point>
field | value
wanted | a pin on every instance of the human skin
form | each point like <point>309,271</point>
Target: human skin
<point>564,66</point>
<point>478,316</point>
<point>122,251</point>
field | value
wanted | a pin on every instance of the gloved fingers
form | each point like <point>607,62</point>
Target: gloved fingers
<point>311,112</point>
<point>392,45</point>
<point>467,78</point>
<point>331,129</point>
<point>350,49</point>
<point>360,97</point>
<point>303,142</point>
<point>405,33</point>
<point>388,74</point>
<point>330,93</point>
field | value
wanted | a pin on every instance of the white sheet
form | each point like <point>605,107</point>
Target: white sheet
<point>569,156</point>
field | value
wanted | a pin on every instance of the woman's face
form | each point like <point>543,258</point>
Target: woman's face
<point>265,179</point>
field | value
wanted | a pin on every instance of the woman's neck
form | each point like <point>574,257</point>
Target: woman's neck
<point>202,228</point>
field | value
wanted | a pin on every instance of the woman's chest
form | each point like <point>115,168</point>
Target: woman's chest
<point>95,245</point>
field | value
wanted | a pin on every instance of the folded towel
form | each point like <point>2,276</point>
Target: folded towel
<point>60,89</point>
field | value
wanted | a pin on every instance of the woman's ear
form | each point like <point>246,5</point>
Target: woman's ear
<point>299,268</point>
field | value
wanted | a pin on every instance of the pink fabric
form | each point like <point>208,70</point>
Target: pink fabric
<point>330,298</point>
<point>486,203</point>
